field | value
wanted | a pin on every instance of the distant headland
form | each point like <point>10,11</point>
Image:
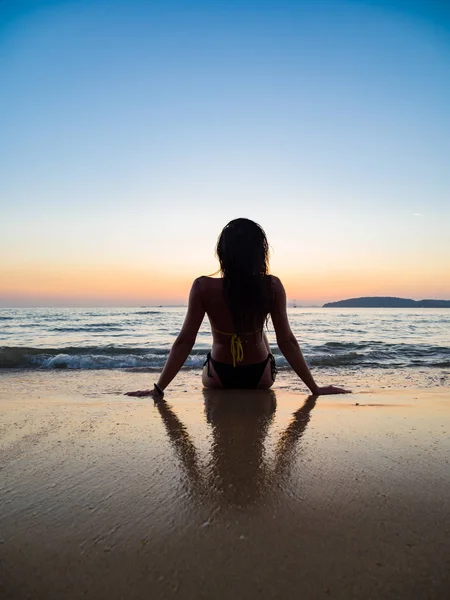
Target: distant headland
<point>387,302</point>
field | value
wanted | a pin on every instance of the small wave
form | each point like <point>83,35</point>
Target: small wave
<point>94,328</point>
<point>95,361</point>
<point>343,345</point>
<point>5,318</point>
<point>107,357</point>
<point>441,364</point>
<point>350,358</point>
<point>148,312</point>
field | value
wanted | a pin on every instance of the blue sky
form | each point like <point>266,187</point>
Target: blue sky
<point>133,131</point>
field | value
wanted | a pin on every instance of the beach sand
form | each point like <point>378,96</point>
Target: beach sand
<point>221,495</point>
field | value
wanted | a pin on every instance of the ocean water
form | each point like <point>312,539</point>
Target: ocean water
<point>364,347</point>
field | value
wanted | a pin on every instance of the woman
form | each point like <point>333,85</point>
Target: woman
<point>238,305</point>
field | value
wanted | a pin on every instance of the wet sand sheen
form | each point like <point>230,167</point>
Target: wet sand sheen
<point>242,495</point>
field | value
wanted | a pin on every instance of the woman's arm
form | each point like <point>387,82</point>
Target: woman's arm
<point>183,344</point>
<point>288,344</point>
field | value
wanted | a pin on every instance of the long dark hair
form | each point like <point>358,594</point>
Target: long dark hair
<point>243,253</point>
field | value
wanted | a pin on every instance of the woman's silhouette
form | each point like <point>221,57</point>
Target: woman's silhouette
<point>238,305</point>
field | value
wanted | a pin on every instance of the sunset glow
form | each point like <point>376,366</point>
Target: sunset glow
<point>133,132</point>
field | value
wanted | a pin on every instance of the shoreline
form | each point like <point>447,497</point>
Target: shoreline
<point>222,494</point>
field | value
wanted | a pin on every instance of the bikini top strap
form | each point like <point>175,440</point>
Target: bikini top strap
<point>248,333</point>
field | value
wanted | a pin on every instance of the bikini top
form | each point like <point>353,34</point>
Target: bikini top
<point>237,351</point>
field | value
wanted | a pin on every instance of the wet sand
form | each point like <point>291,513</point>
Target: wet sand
<point>223,495</point>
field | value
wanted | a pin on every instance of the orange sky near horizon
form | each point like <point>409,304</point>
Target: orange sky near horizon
<point>116,286</point>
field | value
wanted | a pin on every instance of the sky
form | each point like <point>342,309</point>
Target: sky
<point>132,131</point>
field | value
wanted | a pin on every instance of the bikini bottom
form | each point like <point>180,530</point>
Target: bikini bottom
<point>243,376</point>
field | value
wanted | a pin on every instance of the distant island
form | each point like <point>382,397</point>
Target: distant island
<point>387,302</point>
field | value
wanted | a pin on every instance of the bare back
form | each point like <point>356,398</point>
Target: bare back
<point>255,344</point>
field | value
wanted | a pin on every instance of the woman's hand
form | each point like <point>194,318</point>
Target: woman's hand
<point>141,393</point>
<point>331,389</point>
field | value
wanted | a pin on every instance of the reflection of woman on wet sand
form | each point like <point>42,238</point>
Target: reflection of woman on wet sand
<point>238,472</point>
<point>238,305</point>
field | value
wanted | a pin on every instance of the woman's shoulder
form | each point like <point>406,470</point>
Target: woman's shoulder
<point>206,282</point>
<point>275,282</point>
<point>207,279</point>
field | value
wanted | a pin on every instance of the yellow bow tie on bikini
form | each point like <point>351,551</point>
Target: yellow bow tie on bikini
<point>237,351</point>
